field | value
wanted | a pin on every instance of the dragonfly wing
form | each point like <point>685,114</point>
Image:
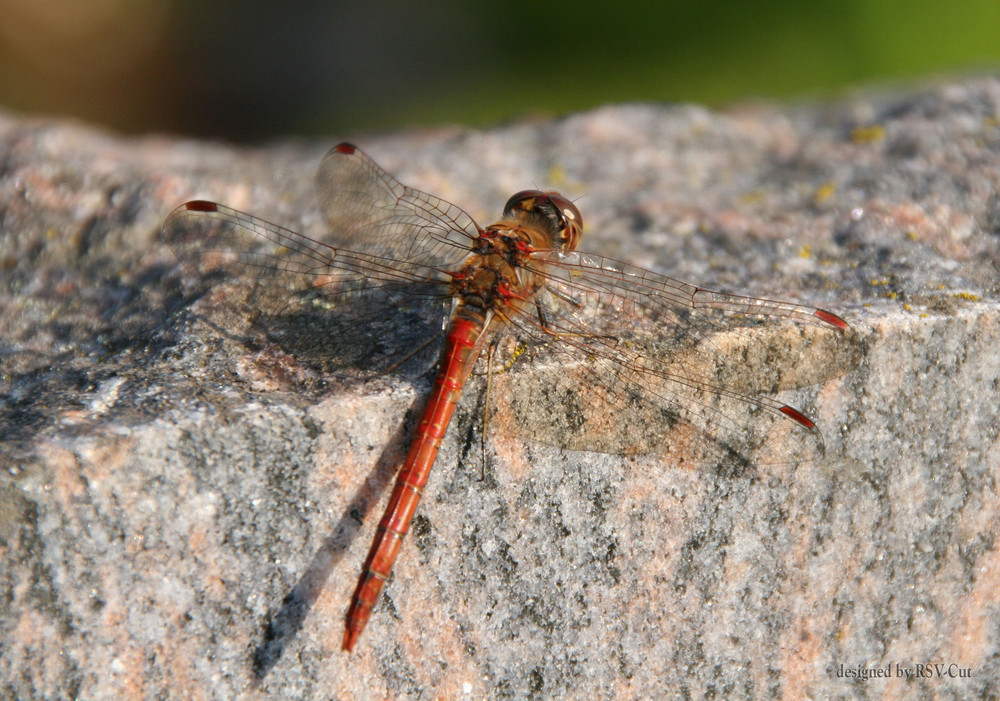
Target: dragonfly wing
<point>743,343</point>
<point>368,209</point>
<point>338,309</point>
<point>629,361</point>
<point>599,406</point>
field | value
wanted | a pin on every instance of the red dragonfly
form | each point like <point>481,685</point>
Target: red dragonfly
<point>625,360</point>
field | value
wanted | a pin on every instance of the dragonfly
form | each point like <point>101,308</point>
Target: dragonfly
<point>603,355</point>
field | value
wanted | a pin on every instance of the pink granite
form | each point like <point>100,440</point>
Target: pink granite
<point>185,516</point>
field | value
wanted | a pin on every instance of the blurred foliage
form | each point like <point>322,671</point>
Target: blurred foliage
<point>255,69</point>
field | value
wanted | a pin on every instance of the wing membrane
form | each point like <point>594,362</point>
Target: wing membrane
<point>368,209</point>
<point>630,361</point>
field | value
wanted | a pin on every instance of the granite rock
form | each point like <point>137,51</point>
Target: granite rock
<point>185,515</point>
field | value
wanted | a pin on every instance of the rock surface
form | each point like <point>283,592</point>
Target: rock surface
<point>176,522</point>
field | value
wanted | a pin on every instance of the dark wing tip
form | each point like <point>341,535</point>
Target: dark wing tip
<point>797,416</point>
<point>831,319</point>
<point>200,206</point>
<point>345,148</point>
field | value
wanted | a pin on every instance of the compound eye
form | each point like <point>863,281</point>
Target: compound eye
<point>523,201</point>
<point>561,216</point>
<point>567,209</point>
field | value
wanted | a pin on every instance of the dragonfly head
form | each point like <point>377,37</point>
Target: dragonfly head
<point>557,215</point>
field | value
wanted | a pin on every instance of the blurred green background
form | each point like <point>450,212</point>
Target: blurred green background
<point>252,70</point>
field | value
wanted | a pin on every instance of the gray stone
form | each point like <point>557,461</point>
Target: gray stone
<point>185,514</point>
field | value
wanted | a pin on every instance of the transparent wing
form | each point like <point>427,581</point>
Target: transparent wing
<point>356,301</point>
<point>629,361</point>
<point>369,210</point>
<point>341,310</point>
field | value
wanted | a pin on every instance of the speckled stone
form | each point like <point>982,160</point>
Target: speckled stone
<point>175,521</point>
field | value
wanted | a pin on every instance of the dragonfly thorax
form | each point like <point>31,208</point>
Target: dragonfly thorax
<point>498,275</point>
